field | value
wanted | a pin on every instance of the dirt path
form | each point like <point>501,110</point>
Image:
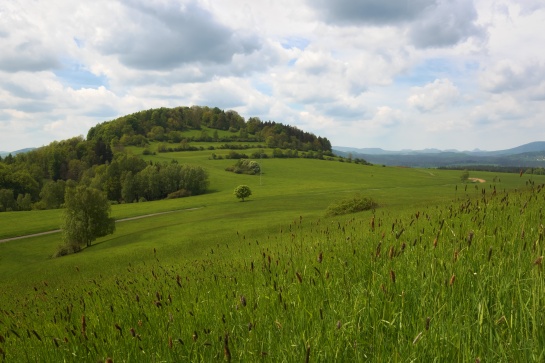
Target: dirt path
<point>117,221</point>
<point>475,180</point>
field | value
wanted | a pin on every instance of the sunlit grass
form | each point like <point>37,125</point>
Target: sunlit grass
<point>437,272</point>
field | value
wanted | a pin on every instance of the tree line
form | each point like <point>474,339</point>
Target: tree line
<point>497,168</point>
<point>39,179</point>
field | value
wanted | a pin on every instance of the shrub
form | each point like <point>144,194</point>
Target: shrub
<point>67,249</point>
<point>182,193</point>
<point>245,166</point>
<point>351,205</point>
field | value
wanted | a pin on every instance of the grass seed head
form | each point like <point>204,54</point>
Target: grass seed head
<point>470,238</point>
<point>83,324</point>
<point>226,351</point>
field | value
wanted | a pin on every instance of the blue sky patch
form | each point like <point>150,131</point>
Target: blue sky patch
<point>75,75</point>
<point>295,42</point>
<point>263,87</point>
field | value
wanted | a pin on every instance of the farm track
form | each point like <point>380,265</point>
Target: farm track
<point>117,221</point>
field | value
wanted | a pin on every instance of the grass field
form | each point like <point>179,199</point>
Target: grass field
<point>440,271</point>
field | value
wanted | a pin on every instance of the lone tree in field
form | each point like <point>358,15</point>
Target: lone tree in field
<point>243,191</point>
<point>86,217</point>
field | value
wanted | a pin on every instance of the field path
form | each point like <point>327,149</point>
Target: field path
<point>117,221</point>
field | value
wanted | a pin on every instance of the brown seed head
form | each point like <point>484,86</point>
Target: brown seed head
<point>226,351</point>
<point>83,325</point>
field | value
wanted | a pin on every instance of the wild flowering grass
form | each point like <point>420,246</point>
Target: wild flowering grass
<point>457,282</point>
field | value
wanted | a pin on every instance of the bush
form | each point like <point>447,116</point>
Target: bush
<point>245,166</point>
<point>182,193</point>
<point>234,155</point>
<point>67,249</point>
<point>351,205</point>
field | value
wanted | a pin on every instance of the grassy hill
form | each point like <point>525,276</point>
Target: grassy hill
<point>441,270</point>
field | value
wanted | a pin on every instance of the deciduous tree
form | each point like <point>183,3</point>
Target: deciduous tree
<point>242,191</point>
<point>86,217</point>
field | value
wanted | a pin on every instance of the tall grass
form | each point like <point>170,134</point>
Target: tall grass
<point>458,281</point>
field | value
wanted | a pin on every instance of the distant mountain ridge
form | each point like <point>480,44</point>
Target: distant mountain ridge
<point>527,155</point>
<point>536,146</point>
<point>6,153</point>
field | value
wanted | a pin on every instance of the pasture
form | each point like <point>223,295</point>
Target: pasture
<point>440,271</point>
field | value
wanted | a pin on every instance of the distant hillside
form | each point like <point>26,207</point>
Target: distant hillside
<point>6,153</point>
<point>528,155</point>
<point>533,147</point>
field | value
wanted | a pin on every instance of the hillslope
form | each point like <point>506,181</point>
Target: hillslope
<point>272,278</point>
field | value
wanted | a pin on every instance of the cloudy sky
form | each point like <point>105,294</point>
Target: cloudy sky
<point>394,74</point>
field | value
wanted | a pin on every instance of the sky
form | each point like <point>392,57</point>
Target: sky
<point>393,74</point>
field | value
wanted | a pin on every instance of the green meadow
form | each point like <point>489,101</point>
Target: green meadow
<point>440,271</point>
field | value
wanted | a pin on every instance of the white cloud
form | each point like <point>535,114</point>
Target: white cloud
<point>440,94</point>
<point>358,72</point>
<point>499,110</point>
<point>509,76</point>
<point>387,117</point>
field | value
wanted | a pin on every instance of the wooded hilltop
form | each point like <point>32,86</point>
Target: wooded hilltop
<point>38,179</point>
